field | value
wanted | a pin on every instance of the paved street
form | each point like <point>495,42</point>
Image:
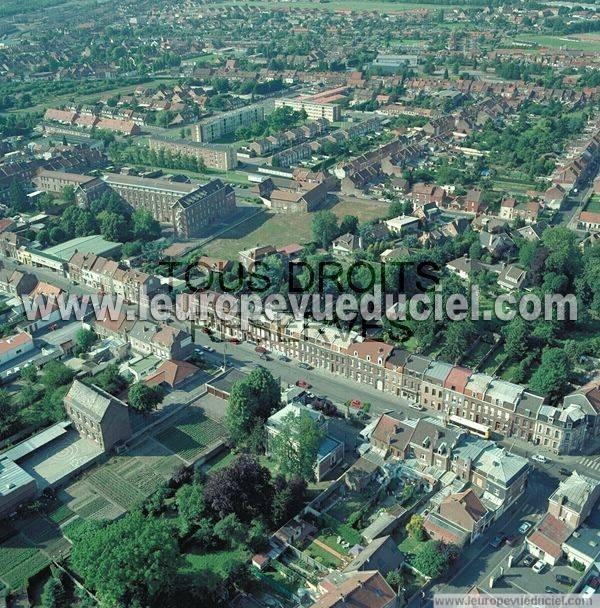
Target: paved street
<point>337,389</point>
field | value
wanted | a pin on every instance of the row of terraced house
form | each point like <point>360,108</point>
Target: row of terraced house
<point>508,409</point>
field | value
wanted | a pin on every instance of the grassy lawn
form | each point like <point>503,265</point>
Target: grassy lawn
<point>221,461</point>
<point>409,545</point>
<point>331,541</point>
<point>346,506</point>
<point>578,43</point>
<point>335,528</point>
<point>282,229</point>
<point>322,556</point>
<point>206,565</point>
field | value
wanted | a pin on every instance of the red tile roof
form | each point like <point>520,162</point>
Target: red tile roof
<point>171,372</point>
<point>12,342</point>
<point>362,590</point>
<point>457,379</point>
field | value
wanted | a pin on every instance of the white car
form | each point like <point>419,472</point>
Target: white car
<point>538,566</point>
<point>524,527</point>
<point>417,406</point>
<point>539,458</point>
<point>209,349</point>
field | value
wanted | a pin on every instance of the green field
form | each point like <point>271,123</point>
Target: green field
<point>190,437</point>
<point>282,229</point>
<point>584,42</point>
<point>353,5</point>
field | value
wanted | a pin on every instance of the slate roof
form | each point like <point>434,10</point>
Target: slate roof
<point>92,401</point>
<point>500,466</point>
<point>382,554</point>
<point>574,491</point>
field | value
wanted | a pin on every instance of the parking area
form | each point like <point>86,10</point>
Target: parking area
<point>521,578</point>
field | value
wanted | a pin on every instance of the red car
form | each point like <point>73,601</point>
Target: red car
<point>303,384</point>
<point>234,340</point>
<point>357,403</point>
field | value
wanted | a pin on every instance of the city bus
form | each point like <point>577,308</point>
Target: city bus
<point>481,430</point>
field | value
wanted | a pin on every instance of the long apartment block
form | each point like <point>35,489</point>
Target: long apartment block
<point>215,127</point>
<point>508,409</point>
<point>214,156</point>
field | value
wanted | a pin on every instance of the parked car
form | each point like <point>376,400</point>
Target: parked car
<point>283,358</point>
<point>539,566</point>
<point>356,403</point>
<point>234,340</point>
<point>303,384</point>
<point>549,589</point>
<point>416,406</point>
<point>497,541</point>
<point>528,560</point>
<point>563,579</point>
<point>304,365</point>
<point>524,527</point>
<point>564,471</point>
<point>513,540</point>
<point>539,458</point>
<point>209,349</point>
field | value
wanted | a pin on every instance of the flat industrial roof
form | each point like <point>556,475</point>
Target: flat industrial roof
<point>36,442</point>
<point>86,244</point>
<point>12,477</point>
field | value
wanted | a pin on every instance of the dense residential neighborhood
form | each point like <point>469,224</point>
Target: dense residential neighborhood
<point>299,302</point>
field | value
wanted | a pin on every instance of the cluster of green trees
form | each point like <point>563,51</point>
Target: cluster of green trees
<point>529,143</point>
<point>281,119</point>
<point>246,87</point>
<point>294,449</point>
<point>556,266</point>
<point>38,402</point>
<point>17,123</point>
<point>122,153</point>
<point>19,95</point>
<point>137,560</point>
<point>106,215</point>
